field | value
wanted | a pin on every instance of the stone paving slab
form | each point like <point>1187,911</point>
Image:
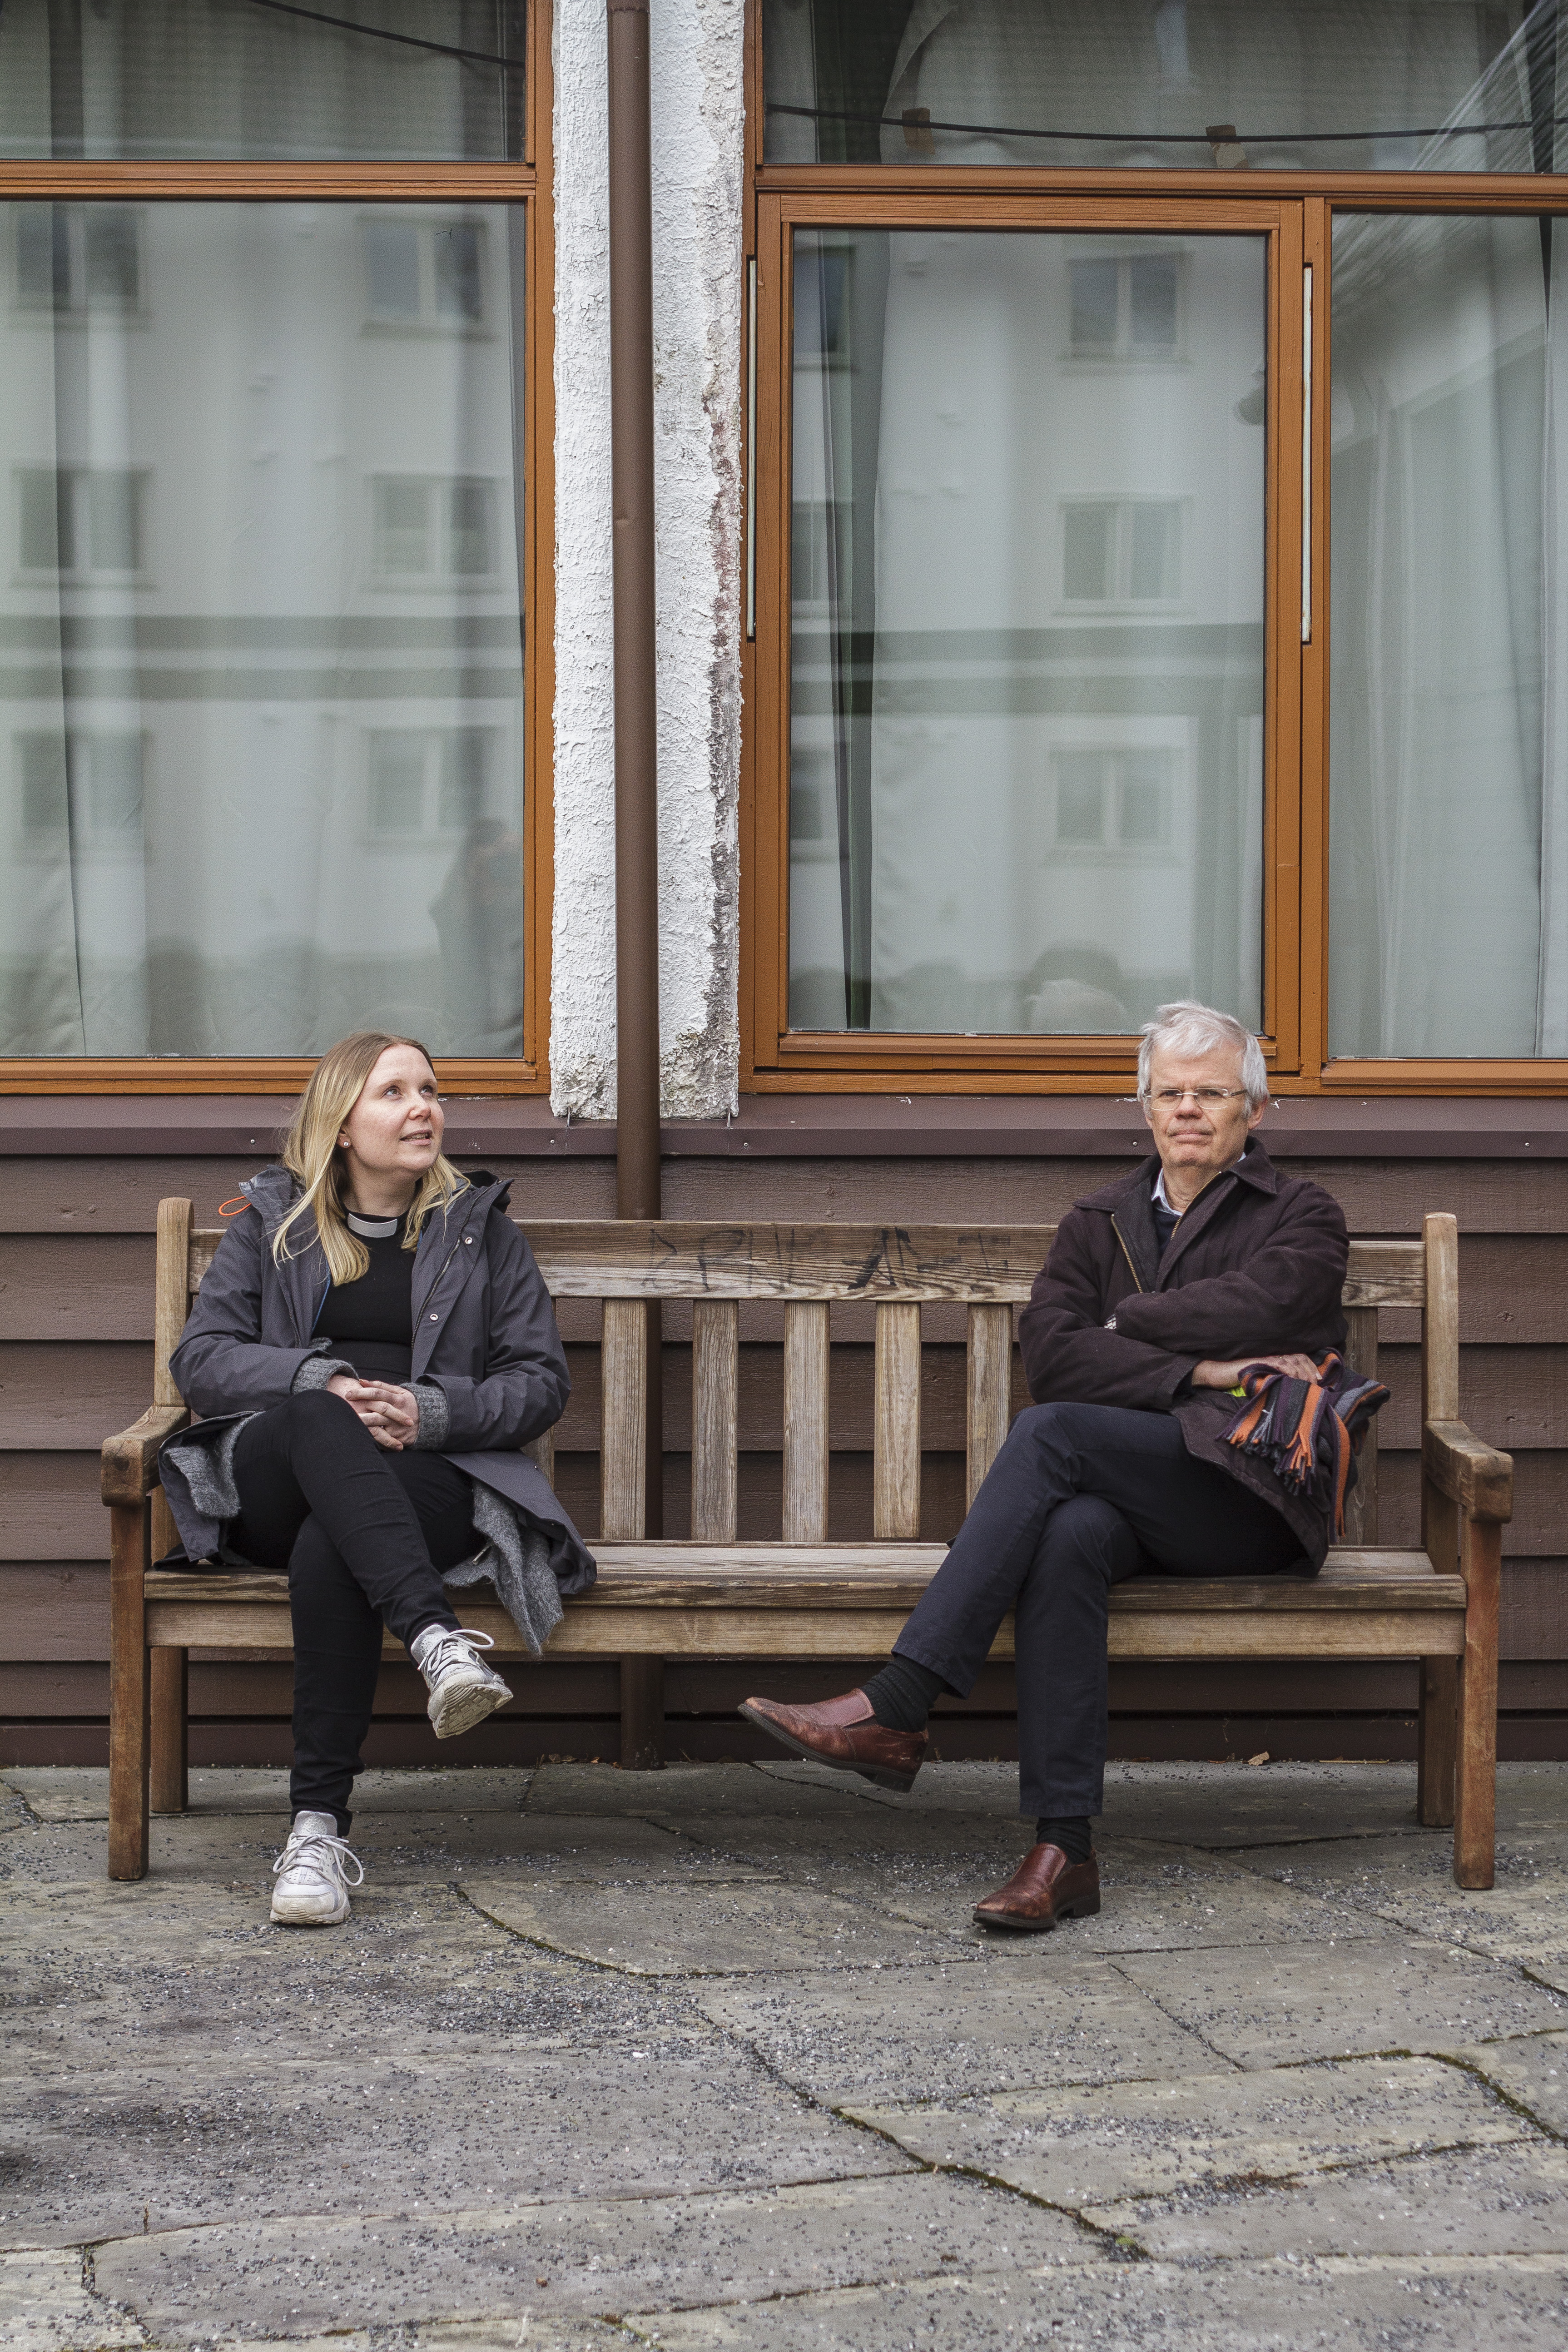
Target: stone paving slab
<point>1410,1883</point>
<point>989,1789</point>
<point>1332,2001</point>
<point>166,1970</point>
<point>1510,2200</point>
<point>589,2258</point>
<point>58,1792</point>
<point>1352,2306</point>
<point>150,2149</point>
<point>1015,2020</point>
<point>46,2306</point>
<point>689,1789</point>
<point>1153,1898</point>
<point>202,1849</point>
<point>1083,2147</point>
<point>741,1929</point>
<point>1533,2070</point>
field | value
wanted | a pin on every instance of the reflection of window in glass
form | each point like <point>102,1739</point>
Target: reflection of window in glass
<point>822,303</point>
<point>78,257</point>
<point>430,779</point>
<point>1126,307</point>
<point>1114,801</point>
<point>433,528</point>
<point>88,784</point>
<point>1121,551</point>
<point>810,576</point>
<point>424,273</point>
<point>79,520</point>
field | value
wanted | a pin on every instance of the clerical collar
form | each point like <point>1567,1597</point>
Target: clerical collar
<point>372,1229</point>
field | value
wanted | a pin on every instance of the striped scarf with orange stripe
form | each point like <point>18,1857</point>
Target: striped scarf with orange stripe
<point>1309,1432</point>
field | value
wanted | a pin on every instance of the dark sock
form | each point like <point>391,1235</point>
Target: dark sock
<point>1071,1835</point>
<point>903,1693</point>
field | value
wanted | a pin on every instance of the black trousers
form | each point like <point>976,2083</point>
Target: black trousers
<point>1079,1497</point>
<point>365,1534</point>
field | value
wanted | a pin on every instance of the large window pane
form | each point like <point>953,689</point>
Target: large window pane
<point>1448,930</point>
<point>1028,558</point>
<point>1317,85</point>
<point>240,77</point>
<point>261,745</point>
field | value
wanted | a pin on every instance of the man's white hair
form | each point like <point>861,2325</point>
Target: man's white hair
<point>1187,1028</point>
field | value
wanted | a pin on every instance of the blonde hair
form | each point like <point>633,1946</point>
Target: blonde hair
<point>311,1154</point>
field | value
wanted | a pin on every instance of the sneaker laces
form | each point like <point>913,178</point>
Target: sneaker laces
<point>320,1851</point>
<point>453,1647</point>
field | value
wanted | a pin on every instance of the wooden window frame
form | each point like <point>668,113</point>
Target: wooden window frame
<point>527,183</point>
<point>1296,210</point>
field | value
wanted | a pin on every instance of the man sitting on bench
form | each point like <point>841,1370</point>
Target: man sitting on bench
<point>1160,1290</point>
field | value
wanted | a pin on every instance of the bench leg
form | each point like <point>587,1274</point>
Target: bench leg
<point>1475,1779</point>
<point>129,1726</point>
<point>1436,1739</point>
<point>642,1715</point>
<point>171,1717</point>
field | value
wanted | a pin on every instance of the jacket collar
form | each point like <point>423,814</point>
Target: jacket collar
<point>303,1275</point>
<point>1253,1168</point>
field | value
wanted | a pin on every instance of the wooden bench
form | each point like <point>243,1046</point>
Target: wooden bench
<point>713,1596</point>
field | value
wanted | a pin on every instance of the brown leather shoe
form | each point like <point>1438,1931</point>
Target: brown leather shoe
<point>845,1733</point>
<point>1045,1887</point>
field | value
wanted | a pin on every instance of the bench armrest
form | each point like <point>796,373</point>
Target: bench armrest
<point>1476,1477</point>
<point>130,1469</point>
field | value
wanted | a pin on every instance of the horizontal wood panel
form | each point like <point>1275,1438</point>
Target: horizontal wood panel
<point>106,1194</point>
<point>75,1286</point>
<point>58,1195</point>
<point>73,1393</point>
<point>715,1687</point>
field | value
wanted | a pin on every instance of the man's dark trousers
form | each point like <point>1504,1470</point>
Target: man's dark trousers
<point>1080,1497</point>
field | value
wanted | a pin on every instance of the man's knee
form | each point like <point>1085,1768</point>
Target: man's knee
<point>1087,1537</point>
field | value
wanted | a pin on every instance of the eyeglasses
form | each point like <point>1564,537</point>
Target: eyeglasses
<point>1173,1097</point>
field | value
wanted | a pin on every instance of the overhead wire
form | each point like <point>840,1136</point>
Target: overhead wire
<point>382,33</point>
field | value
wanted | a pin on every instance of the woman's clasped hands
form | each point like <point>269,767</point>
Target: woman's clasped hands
<point>390,1413</point>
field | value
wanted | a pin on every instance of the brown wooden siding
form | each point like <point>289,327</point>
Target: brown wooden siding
<point>76,1276</point>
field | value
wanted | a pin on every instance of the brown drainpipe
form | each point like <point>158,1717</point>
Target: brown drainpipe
<point>638,1191</point>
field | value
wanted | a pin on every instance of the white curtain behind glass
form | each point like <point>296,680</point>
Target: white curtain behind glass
<point>262,757</point>
<point>1449,762</point>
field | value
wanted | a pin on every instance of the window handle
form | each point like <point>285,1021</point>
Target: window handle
<point>751,447</point>
<point>1307,454</point>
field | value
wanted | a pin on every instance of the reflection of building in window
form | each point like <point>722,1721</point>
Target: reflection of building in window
<point>1127,306</point>
<point>424,273</point>
<point>80,520</point>
<point>84,786</point>
<point>74,258</point>
<point>1113,802</point>
<point>426,530</point>
<point>810,567</point>
<point>430,779</point>
<point>1121,551</point>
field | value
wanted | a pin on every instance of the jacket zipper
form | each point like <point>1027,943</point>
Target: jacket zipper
<point>1125,1251</point>
<point>446,1262</point>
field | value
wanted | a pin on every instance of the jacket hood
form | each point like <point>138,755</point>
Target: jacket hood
<point>1254,1167</point>
<point>272,1193</point>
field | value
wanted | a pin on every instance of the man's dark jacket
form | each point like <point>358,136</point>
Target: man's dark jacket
<point>1256,1267</point>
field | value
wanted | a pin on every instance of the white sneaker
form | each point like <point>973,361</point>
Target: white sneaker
<point>312,1889</point>
<point>463,1689</point>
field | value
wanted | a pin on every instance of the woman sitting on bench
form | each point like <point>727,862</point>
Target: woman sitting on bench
<point>373,1344</point>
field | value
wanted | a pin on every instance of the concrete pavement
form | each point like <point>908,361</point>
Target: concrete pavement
<point>713,2056</point>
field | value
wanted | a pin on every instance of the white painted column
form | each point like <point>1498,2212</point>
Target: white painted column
<point>699,177</point>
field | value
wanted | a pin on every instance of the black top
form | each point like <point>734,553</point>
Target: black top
<point>371,1322</point>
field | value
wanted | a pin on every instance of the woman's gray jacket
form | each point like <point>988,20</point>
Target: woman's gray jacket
<point>488,1367</point>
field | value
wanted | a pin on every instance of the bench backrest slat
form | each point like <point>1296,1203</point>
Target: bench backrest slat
<point>715,1419</point>
<point>896,1423</point>
<point>805,1425</point>
<point>631,1266</point>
